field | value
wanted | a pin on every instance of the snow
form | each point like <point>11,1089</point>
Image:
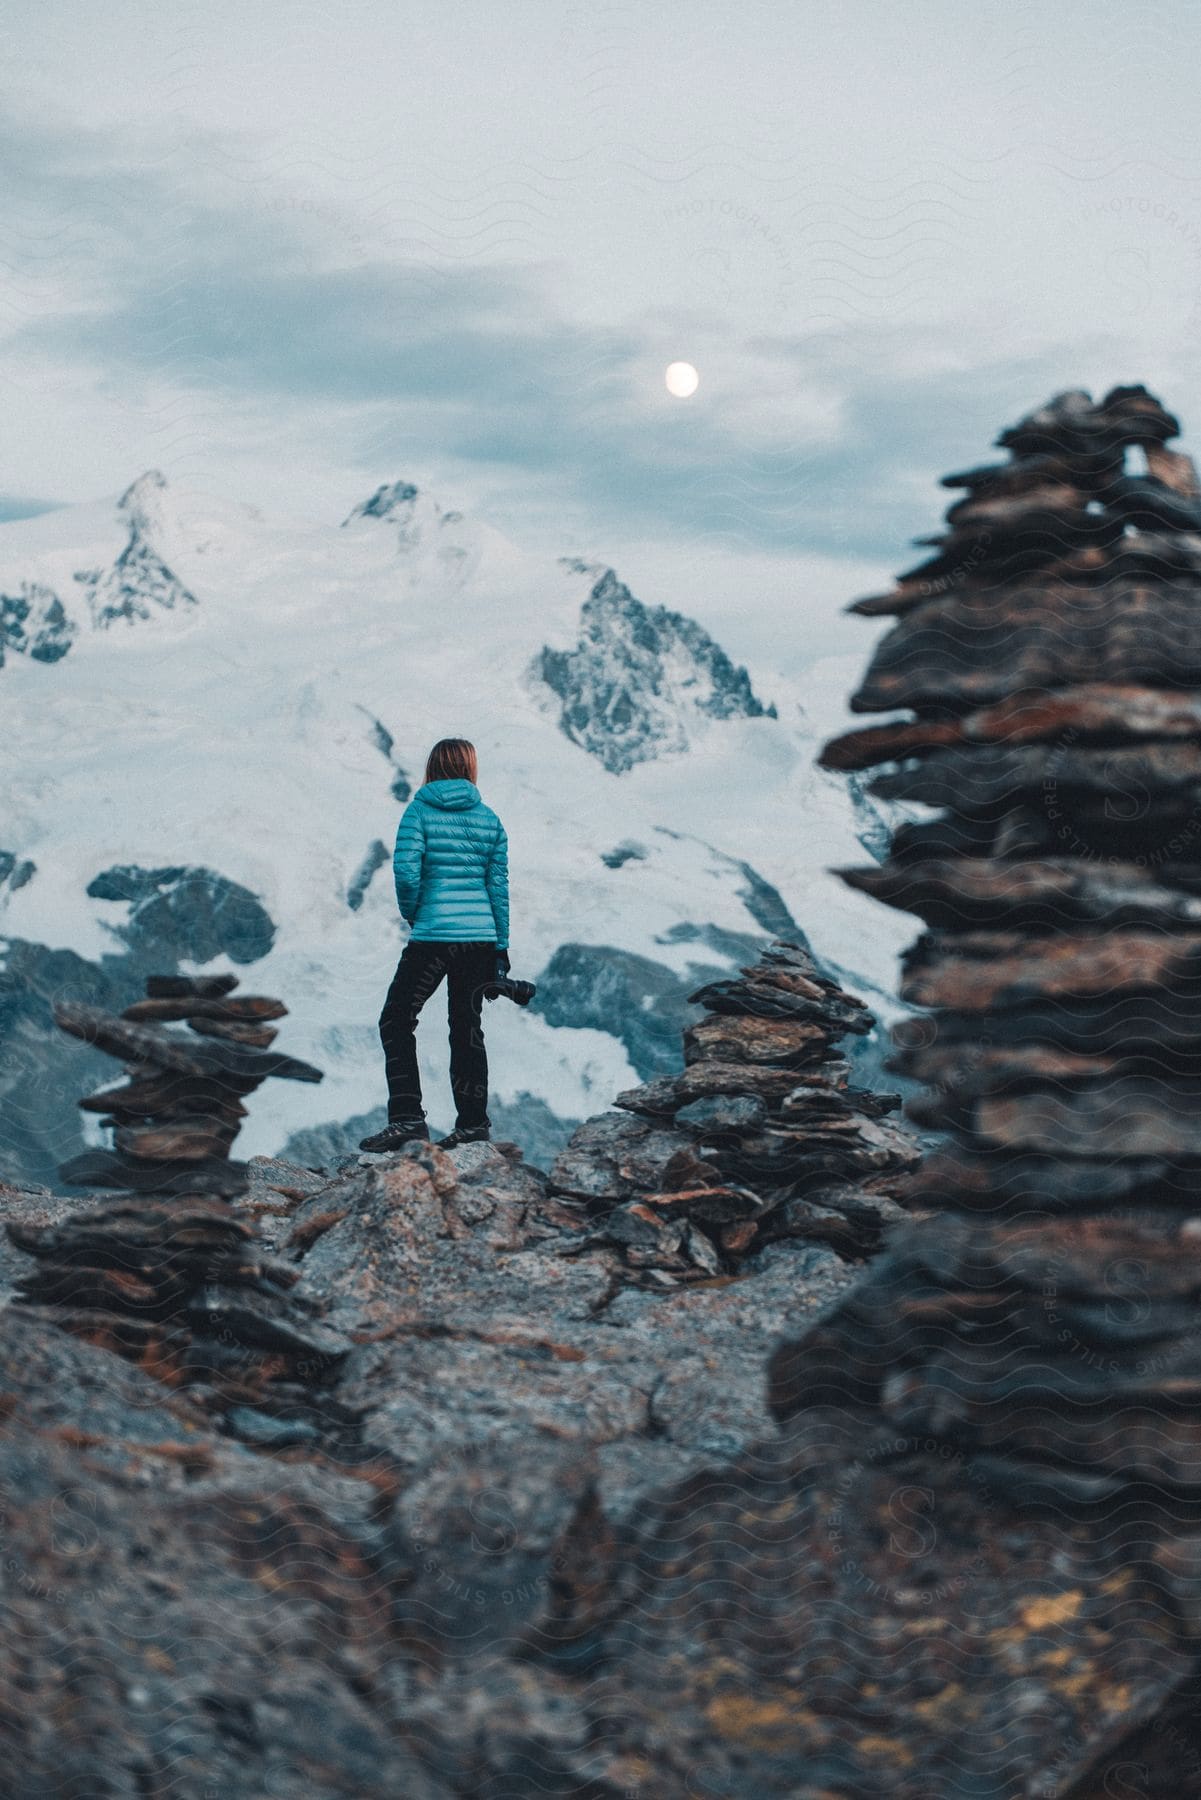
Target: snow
<point>237,733</point>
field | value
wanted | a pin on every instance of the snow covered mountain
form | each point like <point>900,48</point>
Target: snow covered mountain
<point>639,675</point>
<point>215,718</point>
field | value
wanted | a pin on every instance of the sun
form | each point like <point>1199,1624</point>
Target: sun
<point>681,379</point>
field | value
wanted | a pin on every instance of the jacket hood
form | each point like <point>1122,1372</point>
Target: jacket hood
<point>454,795</point>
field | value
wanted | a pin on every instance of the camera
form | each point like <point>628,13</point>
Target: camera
<point>519,992</point>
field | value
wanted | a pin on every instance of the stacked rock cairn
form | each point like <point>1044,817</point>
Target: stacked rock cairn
<point>761,1136</point>
<point>176,1117</point>
<point>180,1285</point>
<point>169,1275</point>
<point>1049,656</point>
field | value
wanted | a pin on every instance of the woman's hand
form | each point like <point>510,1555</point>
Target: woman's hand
<point>503,964</point>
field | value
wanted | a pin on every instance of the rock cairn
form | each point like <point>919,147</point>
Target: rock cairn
<point>167,1274</point>
<point>1041,1333</point>
<point>1051,656</point>
<point>180,1286</point>
<point>761,1135</point>
<point>177,1116</point>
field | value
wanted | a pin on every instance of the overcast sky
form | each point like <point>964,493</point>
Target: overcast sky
<point>285,252</point>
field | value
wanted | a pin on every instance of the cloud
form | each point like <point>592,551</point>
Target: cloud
<point>15,506</point>
<point>175,276</point>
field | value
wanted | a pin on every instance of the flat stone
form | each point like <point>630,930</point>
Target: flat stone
<point>982,970</point>
<point>724,1112</point>
<point>166,987</point>
<point>614,1153</point>
<point>164,1050</point>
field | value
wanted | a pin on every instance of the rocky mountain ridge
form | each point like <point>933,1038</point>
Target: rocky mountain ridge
<point>623,684</point>
<point>38,622</point>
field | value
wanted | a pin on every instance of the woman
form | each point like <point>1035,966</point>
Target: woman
<point>451,865</point>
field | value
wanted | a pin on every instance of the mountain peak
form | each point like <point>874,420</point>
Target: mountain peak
<point>437,543</point>
<point>139,582</point>
<point>149,480</point>
<point>141,501</point>
<point>640,677</point>
<point>392,500</point>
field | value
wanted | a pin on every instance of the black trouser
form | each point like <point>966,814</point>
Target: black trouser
<point>468,968</point>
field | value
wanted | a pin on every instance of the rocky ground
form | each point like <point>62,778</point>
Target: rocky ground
<point>319,1579</point>
<point>450,1503</point>
<point>328,1487</point>
<point>651,1474</point>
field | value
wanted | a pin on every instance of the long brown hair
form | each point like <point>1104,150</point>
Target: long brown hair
<point>451,759</point>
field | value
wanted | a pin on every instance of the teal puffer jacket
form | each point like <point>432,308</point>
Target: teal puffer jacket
<point>451,865</point>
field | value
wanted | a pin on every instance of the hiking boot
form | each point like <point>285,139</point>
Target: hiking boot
<point>464,1134</point>
<point>395,1136</point>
